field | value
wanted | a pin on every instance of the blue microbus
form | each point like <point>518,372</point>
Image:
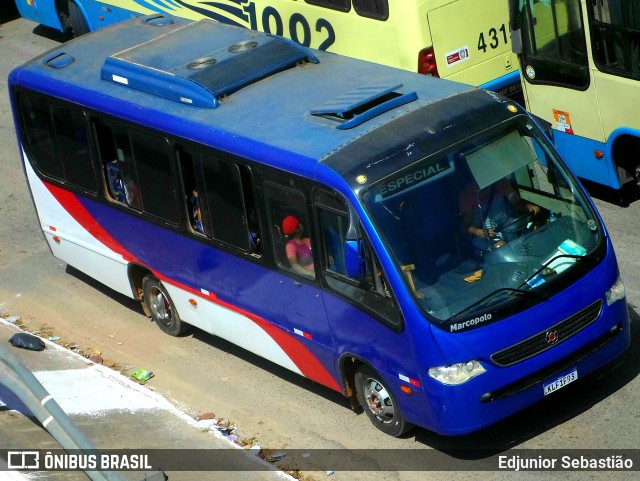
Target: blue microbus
<point>412,243</point>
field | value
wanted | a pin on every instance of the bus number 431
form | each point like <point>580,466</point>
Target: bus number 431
<point>493,37</point>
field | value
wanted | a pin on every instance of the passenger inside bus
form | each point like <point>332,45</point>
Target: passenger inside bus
<point>196,213</point>
<point>121,186</point>
<point>298,247</point>
<point>488,214</point>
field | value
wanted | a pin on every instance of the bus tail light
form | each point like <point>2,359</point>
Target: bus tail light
<point>427,62</point>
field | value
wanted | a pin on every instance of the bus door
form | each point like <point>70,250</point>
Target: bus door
<point>364,317</point>
<point>615,37</point>
<point>303,312</point>
<point>471,43</point>
<point>557,81</point>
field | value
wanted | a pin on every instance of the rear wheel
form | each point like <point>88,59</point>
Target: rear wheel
<point>379,403</point>
<point>161,307</point>
<point>78,23</point>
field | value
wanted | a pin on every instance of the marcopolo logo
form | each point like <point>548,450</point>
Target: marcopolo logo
<point>461,326</point>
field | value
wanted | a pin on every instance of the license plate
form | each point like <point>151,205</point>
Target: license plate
<point>560,382</point>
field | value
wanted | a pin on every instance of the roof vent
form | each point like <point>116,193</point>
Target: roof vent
<point>203,61</point>
<point>243,46</point>
<point>157,20</point>
<point>359,105</point>
<point>59,60</point>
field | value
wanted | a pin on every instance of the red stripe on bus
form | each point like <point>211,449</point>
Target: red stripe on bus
<point>304,360</point>
<point>75,209</point>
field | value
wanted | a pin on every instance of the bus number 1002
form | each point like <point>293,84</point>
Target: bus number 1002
<point>493,38</point>
<point>299,28</point>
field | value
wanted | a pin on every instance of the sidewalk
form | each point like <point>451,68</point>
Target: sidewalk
<point>114,412</point>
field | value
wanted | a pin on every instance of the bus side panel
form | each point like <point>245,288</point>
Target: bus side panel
<point>99,15</point>
<point>578,152</point>
<point>234,297</point>
<point>74,245</point>
<point>42,12</point>
<point>227,322</point>
<point>471,41</point>
<point>386,351</point>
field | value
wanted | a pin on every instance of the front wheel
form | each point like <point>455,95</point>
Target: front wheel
<point>161,307</point>
<point>379,403</point>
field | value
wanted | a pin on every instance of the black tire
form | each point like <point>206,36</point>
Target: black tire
<point>378,403</point>
<point>161,307</point>
<point>78,23</point>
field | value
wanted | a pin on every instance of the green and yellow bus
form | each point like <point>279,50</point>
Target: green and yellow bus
<point>463,40</point>
<point>580,65</point>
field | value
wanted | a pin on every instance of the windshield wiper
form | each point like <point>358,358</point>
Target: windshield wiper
<point>491,295</point>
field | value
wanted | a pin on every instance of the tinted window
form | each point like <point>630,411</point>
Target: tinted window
<point>350,266</point>
<point>225,201</point>
<point>71,134</point>
<point>38,129</point>
<point>554,44</point>
<point>219,199</point>
<point>137,170</point>
<point>378,9</point>
<point>56,141</point>
<point>155,177</point>
<point>615,33</point>
<point>342,5</point>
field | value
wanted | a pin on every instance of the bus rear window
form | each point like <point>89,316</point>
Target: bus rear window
<point>56,142</point>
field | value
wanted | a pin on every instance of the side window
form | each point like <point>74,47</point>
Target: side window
<point>57,142</point>
<point>378,9</point>
<point>342,5</point>
<point>155,177</point>
<point>615,33</point>
<point>555,49</point>
<point>219,200</point>
<point>73,146</point>
<point>349,264</point>
<point>38,130</point>
<point>137,170</point>
<point>195,192</point>
<point>289,226</point>
<point>224,199</point>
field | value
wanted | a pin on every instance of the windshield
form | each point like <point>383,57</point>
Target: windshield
<point>495,219</point>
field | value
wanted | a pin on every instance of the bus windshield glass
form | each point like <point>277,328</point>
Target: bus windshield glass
<point>492,221</point>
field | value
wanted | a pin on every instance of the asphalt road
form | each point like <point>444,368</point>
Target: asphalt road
<point>281,410</point>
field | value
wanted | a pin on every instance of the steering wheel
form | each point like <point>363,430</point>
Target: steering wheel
<point>516,224</point>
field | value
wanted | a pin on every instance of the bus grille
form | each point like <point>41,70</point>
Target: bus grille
<point>544,340</point>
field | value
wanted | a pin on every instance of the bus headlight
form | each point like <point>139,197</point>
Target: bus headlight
<point>616,293</point>
<point>456,373</point>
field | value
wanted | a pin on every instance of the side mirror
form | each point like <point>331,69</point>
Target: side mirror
<point>354,258</point>
<point>516,41</point>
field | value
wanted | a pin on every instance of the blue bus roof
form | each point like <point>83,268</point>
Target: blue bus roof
<point>216,84</point>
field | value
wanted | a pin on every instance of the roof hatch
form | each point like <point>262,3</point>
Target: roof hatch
<point>180,66</point>
<point>363,103</point>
